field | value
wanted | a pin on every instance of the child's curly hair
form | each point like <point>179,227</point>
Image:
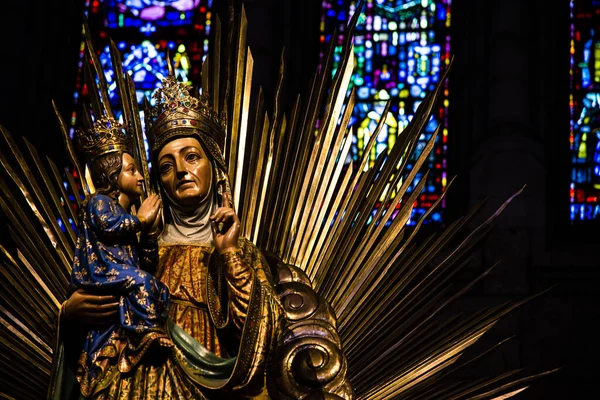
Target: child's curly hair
<point>105,173</point>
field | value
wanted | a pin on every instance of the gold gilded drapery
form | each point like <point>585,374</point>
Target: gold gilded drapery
<point>183,268</point>
<point>236,289</point>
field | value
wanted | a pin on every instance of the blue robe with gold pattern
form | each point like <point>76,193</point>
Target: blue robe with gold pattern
<point>107,262</point>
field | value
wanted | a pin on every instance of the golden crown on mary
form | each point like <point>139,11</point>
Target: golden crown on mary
<point>177,111</point>
<point>107,136</point>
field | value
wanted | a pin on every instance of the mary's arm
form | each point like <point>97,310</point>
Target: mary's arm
<point>239,277</point>
<point>245,268</point>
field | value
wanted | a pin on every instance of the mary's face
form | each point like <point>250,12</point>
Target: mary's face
<point>185,172</point>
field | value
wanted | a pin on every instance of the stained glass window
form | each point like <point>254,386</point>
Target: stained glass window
<point>585,111</point>
<point>401,47</point>
<point>150,14</point>
<point>143,30</point>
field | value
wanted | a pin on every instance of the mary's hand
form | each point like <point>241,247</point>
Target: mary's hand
<point>226,227</point>
<point>91,309</point>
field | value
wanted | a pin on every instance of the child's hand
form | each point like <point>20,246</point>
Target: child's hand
<point>149,210</point>
<point>157,226</point>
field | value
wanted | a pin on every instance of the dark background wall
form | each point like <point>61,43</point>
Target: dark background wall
<point>508,127</point>
<point>510,122</point>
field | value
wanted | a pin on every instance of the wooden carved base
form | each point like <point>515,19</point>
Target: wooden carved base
<point>309,363</point>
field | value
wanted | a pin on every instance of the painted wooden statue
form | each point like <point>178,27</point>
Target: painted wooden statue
<point>292,274</point>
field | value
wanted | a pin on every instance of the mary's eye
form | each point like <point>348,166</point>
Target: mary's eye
<point>192,157</point>
<point>166,167</point>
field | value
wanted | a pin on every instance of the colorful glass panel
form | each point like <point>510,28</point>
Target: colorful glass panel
<point>584,134</point>
<point>150,13</point>
<point>401,47</point>
<point>147,64</point>
<point>143,30</point>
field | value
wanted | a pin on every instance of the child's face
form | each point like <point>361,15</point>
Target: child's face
<point>130,180</point>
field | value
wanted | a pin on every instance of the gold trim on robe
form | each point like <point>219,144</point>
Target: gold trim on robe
<point>207,288</point>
